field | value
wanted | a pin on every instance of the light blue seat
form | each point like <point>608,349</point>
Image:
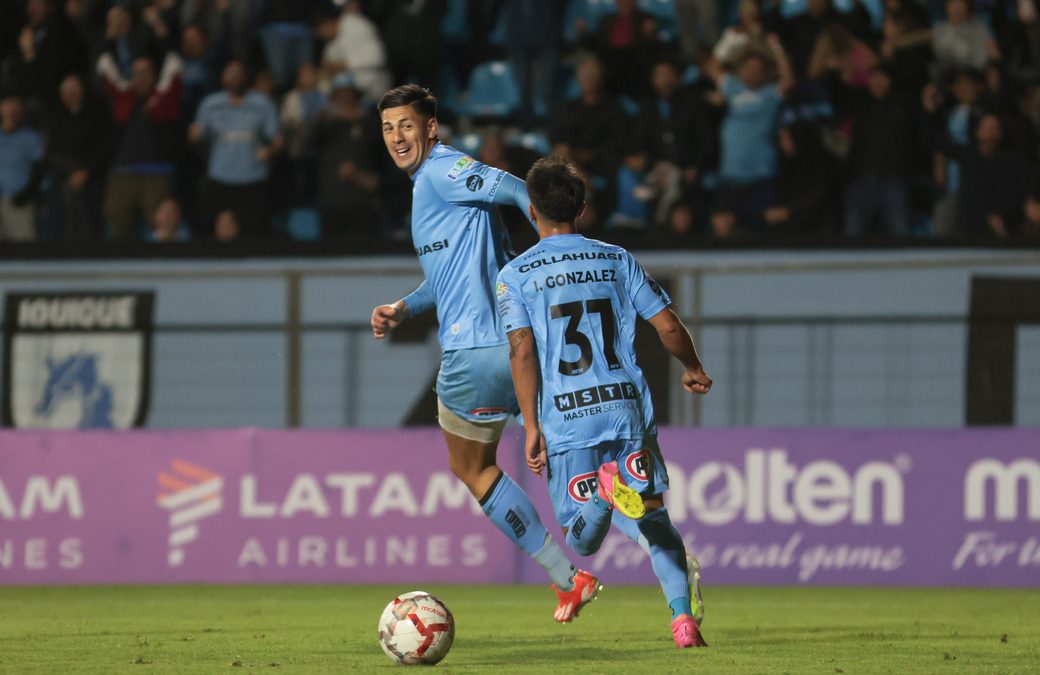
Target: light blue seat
<point>535,141</point>
<point>492,91</point>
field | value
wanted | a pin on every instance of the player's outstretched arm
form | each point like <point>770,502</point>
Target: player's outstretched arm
<point>523,362</point>
<point>677,340</point>
<point>513,191</point>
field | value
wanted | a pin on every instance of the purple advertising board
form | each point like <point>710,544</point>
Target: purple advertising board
<point>758,506</point>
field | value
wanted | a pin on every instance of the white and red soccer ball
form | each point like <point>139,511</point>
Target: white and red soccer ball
<point>416,628</point>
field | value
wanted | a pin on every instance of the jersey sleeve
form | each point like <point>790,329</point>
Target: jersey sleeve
<point>511,307</point>
<point>646,294</point>
<point>466,181</point>
<point>420,300</point>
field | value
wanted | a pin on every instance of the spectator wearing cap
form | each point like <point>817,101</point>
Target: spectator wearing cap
<point>240,128</point>
<point>350,158</point>
<point>21,152</point>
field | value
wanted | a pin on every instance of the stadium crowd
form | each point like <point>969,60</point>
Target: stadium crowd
<point>168,120</point>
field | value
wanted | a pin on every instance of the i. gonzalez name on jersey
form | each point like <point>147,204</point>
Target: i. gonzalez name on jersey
<point>576,277</point>
<point>431,248</point>
<point>567,257</point>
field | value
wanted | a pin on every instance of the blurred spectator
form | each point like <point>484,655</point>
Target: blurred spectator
<point>168,224</point>
<point>127,40</point>
<point>627,44</point>
<point>300,108</point>
<point>747,138</point>
<point>588,130</point>
<point>681,221</point>
<point>953,128</point>
<point>358,49</point>
<point>698,24</point>
<point>146,110</point>
<point>79,135</point>
<point>632,210</point>
<point>749,31</point>
<point>800,33</point>
<point>350,155</point>
<point>21,152</point>
<point>673,125</point>
<point>226,226</point>
<point>412,37</point>
<point>516,159</point>
<point>963,40</point>
<point>202,62</point>
<point>533,48</point>
<point>48,49</point>
<point>286,37</point>
<point>241,130</point>
<point>837,51</point>
<point>229,19</point>
<point>996,183</point>
<point>1022,41</point>
<point>906,47</point>
<point>806,182</point>
<point>879,161</point>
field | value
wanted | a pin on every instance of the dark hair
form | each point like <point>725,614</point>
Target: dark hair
<point>420,98</point>
<point>556,188</point>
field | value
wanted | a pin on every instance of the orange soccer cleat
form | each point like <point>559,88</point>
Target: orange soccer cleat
<point>586,587</point>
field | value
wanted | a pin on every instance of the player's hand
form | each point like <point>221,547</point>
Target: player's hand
<point>385,318</point>
<point>534,451</point>
<point>696,381</point>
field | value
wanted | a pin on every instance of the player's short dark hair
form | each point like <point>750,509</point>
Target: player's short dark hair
<point>556,188</point>
<point>420,98</point>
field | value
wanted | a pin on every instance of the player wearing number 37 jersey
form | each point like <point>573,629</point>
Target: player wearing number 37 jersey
<point>569,306</point>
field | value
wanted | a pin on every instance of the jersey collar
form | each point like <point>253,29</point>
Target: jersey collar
<point>437,148</point>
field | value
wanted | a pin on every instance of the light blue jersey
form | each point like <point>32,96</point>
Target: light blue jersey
<point>461,243</point>
<point>580,297</point>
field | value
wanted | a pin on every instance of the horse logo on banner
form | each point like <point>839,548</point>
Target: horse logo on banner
<point>76,360</point>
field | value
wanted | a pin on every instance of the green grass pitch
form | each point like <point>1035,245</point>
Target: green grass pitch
<point>507,629</point>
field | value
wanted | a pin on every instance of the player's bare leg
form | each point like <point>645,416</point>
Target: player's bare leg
<point>473,462</point>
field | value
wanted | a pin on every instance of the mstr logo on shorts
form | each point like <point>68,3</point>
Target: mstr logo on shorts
<point>77,360</point>
<point>581,487</point>
<point>640,464</point>
<point>603,393</point>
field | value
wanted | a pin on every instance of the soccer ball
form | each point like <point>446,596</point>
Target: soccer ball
<point>416,628</point>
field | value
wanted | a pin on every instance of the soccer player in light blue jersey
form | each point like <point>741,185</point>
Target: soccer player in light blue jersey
<point>569,307</point>
<point>462,244</point>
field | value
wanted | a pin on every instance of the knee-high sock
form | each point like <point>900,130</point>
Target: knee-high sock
<point>630,528</point>
<point>588,529</point>
<point>512,512</point>
<point>668,557</point>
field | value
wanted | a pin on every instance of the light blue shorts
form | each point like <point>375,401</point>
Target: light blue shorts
<point>572,473</point>
<point>476,384</point>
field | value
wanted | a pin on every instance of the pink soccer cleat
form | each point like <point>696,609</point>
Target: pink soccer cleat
<point>686,633</point>
<point>586,587</point>
<point>612,490</point>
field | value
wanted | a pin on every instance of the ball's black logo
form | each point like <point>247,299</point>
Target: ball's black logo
<point>474,183</point>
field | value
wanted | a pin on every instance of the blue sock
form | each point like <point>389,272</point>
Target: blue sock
<point>630,528</point>
<point>668,557</point>
<point>588,529</point>
<point>513,513</point>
